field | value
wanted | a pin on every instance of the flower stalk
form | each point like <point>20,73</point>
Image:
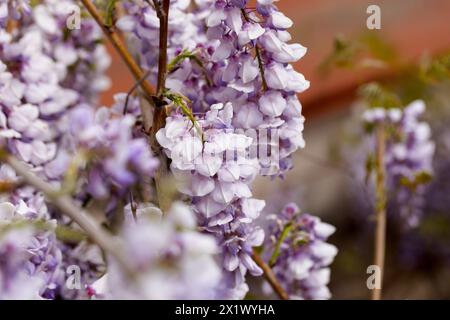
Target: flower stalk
<point>270,277</point>
<point>380,228</point>
<point>68,207</point>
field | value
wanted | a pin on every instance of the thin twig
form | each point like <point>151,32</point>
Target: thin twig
<point>261,67</point>
<point>68,207</point>
<point>258,56</point>
<point>133,89</point>
<point>116,41</point>
<point>152,121</point>
<point>270,277</point>
<point>380,232</point>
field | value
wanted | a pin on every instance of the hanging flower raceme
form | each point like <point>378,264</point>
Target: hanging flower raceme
<point>243,58</point>
<point>211,165</point>
<point>15,282</point>
<point>251,67</point>
<point>408,158</point>
<point>297,250</point>
<point>228,63</point>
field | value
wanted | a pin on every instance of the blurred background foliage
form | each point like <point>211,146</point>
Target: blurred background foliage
<point>349,66</point>
<point>391,68</point>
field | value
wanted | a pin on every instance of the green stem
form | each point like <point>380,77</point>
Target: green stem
<point>284,234</point>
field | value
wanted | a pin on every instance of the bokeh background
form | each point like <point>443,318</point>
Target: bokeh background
<point>343,55</point>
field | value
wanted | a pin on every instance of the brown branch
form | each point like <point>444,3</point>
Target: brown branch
<point>133,89</point>
<point>159,117</point>
<point>118,44</point>
<point>380,232</point>
<point>162,12</point>
<point>68,207</point>
<point>270,277</point>
<point>258,56</point>
<point>132,65</point>
<point>261,67</point>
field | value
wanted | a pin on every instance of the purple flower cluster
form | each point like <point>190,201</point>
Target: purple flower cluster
<point>168,255</point>
<point>185,32</point>
<point>210,165</point>
<point>298,251</point>
<point>408,158</point>
<point>118,160</point>
<point>251,67</point>
<point>27,254</point>
<point>45,71</point>
<point>15,280</point>
<point>232,66</point>
<point>242,58</point>
<point>245,58</point>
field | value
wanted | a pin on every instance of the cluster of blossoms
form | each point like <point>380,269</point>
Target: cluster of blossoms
<point>34,100</point>
<point>45,71</point>
<point>408,158</point>
<point>50,80</point>
<point>299,254</point>
<point>186,34</point>
<point>119,158</point>
<point>167,255</point>
<point>244,57</point>
<point>16,282</point>
<point>232,67</point>
<point>241,58</point>
<point>210,164</point>
<point>251,67</point>
<point>29,259</point>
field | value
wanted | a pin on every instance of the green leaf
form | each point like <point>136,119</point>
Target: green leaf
<point>192,56</point>
<point>183,103</point>
<point>63,233</point>
<point>78,161</point>
<point>109,15</point>
<point>370,167</point>
<point>367,51</point>
<point>435,70</point>
<point>185,54</point>
<point>342,56</point>
<point>424,177</point>
<point>378,96</point>
<point>70,235</point>
<point>377,47</point>
<point>420,178</point>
